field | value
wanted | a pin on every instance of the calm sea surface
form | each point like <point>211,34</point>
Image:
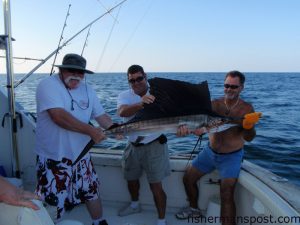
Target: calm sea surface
<point>277,95</point>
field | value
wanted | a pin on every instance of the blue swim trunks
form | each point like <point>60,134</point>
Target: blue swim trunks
<point>228,165</point>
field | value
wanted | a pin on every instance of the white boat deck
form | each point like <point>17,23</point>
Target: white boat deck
<point>148,216</point>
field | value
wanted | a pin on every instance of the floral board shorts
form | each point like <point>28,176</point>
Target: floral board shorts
<point>62,185</point>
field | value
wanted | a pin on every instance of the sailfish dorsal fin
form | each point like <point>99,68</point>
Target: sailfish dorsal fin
<point>175,98</point>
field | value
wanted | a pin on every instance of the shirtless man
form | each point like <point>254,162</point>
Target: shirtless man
<point>224,151</point>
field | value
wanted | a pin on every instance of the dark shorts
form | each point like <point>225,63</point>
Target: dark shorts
<point>62,185</point>
<point>228,165</point>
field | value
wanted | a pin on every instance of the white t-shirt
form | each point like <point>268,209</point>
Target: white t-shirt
<point>128,97</point>
<point>53,141</point>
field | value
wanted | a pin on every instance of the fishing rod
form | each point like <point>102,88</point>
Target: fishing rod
<point>65,43</point>
<point>60,39</point>
<point>85,42</point>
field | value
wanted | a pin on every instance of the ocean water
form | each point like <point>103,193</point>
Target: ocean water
<point>277,95</point>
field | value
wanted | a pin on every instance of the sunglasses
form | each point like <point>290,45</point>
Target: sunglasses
<point>138,80</point>
<point>232,86</point>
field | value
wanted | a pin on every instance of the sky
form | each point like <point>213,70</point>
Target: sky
<point>160,35</point>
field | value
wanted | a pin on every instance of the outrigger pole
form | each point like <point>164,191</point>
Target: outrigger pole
<point>66,42</point>
<point>10,87</point>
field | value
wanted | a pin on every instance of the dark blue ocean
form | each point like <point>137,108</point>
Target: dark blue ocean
<point>277,95</point>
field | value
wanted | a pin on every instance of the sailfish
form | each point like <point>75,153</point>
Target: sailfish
<point>176,103</point>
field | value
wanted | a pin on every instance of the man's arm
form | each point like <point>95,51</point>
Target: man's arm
<point>130,110</point>
<point>65,120</point>
<point>12,195</point>
<point>249,135</point>
<point>249,131</point>
<point>104,121</point>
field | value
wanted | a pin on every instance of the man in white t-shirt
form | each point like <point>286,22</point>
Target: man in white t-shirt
<point>65,105</point>
<point>147,153</point>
